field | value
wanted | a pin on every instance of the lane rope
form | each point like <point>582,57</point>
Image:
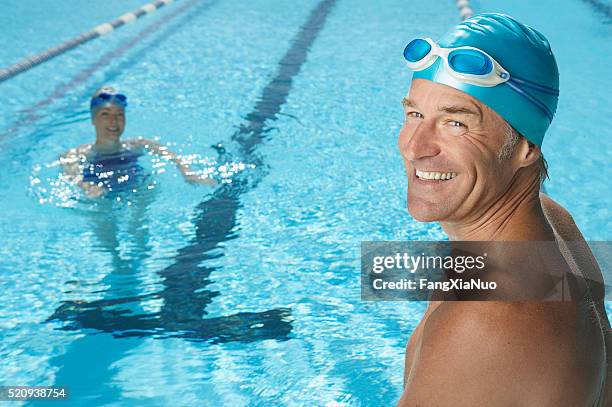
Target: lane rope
<point>465,10</point>
<point>98,31</point>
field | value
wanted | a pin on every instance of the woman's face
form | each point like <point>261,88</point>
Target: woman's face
<point>109,122</point>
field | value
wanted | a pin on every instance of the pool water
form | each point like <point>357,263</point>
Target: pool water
<point>246,293</point>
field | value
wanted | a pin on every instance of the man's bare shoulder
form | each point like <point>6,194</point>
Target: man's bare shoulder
<point>577,252</point>
<point>488,353</point>
<point>504,325</point>
<point>560,219</point>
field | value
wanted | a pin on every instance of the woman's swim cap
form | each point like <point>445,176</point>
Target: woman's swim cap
<point>523,52</point>
<point>106,96</point>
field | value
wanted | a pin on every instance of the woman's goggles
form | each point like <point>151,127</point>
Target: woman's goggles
<point>114,98</point>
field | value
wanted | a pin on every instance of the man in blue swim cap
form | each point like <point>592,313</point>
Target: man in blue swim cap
<point>109,162</point>
<point>480,103</point>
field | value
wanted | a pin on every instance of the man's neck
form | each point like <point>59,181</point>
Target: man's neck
<point>517,215</point>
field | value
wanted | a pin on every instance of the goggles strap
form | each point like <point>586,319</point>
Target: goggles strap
<point>514,82</point>
<point>534,85</point>
<point>531,98</point>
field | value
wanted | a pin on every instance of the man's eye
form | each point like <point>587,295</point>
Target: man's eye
<point>455,123</point>
<point>414,114</point>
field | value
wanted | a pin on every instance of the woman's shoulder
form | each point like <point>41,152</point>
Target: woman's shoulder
<point>135,145</point>
<point>139,142</point>
<point>83,149</point>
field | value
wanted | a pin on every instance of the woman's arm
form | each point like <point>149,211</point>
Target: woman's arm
<point>72,163</point>
<point>72,159</point>
<point>183,167</point>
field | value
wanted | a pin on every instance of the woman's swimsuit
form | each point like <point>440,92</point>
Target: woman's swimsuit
<point>117,171</point>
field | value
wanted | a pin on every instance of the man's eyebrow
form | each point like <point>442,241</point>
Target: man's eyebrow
<point>408,103</point>
<point>451,109</point>
<point>459,109</point>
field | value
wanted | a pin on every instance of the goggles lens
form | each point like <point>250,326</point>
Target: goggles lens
<point>467,64</point>
<point>108,96</point>
<point>473,66</point>
<point>470,61</point>
<point>416,50</point>
<point>103,97</point>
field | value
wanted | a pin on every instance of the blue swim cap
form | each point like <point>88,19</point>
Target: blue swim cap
<point>106,96</point>
<point>524,53</point>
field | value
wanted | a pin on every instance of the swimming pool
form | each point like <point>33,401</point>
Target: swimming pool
<point>248,293</point>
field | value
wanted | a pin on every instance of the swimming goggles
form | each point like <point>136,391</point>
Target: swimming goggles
<point>115,98</point>
<point>473,66</point>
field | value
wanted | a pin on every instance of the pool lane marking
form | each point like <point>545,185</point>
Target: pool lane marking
<point>184,296</point>
<point>33,113</point>
<point>275,93</point>
<point>30,62</point>
<point>600,7</point>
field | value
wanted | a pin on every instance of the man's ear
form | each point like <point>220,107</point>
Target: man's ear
<point>527,153</point>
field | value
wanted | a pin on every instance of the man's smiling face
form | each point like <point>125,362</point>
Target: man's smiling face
<point>450,144</point>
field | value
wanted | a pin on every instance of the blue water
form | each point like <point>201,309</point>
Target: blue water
<point>246,293</point>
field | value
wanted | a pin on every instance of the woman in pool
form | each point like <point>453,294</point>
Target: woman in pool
<point>110,164</point>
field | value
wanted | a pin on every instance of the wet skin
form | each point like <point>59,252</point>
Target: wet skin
<point>485,353</point>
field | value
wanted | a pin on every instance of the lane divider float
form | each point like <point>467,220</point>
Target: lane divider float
<point>465,10</point>
<point>102,29</point>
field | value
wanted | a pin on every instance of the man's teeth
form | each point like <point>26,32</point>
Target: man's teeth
<point>435,175</point>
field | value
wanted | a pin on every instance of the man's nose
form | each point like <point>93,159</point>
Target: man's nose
<point>419,142</point>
